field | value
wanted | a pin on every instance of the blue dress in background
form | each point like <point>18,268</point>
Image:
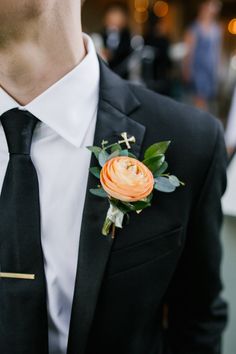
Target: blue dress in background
<point>205,61</point>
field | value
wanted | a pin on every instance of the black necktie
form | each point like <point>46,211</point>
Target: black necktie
<point>23,314</point>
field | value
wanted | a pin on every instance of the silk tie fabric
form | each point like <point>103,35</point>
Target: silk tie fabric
<point>23,311</point>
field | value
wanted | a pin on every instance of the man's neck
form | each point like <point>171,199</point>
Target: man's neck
<point>31,64</point>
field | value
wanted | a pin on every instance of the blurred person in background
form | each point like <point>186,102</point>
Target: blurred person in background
<point>117,37</point>
<point>201,65</point>
<point>158,39</point>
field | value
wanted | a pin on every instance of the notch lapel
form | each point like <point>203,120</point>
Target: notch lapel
<point>116,102</point>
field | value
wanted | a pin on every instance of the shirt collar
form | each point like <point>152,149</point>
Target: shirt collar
<point>69,105</point>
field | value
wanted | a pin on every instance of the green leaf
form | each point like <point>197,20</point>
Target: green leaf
<point>141,205</point>
<point>163,184</point>
<point>174,180</point>
<point>115,147</point>
<point>149,198</point>
<point>154,163</point>
<point>99,192</point>
<point>114,154</point>
<point>103,157</point>
<point>156,149</point>
<point>127,206</point>
<point>161,170</point>
<point>95,171</point>
<point>95,150</point>
<point>122,206</point>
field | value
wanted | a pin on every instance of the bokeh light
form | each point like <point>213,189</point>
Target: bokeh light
<point>232,26</point>
<point>161,8</point>
<point>141,17</point>
<point>141,5</point>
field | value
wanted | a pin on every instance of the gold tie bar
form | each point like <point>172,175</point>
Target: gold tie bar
<point>17,276</point>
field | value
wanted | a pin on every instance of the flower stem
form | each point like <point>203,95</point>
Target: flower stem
<point>113,231</point>
<point>106,227</point>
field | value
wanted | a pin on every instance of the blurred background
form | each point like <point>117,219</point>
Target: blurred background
<point>185,50</point>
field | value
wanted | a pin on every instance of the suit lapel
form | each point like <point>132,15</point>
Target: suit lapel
<point>116,102</point>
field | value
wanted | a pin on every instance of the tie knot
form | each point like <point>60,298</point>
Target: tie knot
<point>18,126</point>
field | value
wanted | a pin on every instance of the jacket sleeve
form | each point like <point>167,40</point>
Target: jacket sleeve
<point>196,313</point>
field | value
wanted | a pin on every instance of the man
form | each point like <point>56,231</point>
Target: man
<point>162,272</point>
<point>158,38</point>
<point>117,37</point>
<point>202,64</point>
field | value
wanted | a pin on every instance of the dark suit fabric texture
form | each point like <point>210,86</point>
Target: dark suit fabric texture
<point>155,288</point>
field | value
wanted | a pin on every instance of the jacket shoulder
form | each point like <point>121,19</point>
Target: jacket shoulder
<point>193,131</point>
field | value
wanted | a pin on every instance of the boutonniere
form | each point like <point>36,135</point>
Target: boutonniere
<point>128,183</point>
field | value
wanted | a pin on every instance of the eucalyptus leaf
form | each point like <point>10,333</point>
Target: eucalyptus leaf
<point>156,149</point>
<point>162,169</point>
<point>103,157</point>
<point>124,153</point>
<point>154,163</point>
<point>114,154</point>
<point>174,180</point>
<point>95,150</point>
<point>95,171</point>
<point>99,192</point>
<point>163,184</point>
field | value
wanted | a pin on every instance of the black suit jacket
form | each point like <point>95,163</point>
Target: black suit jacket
<point>156,288</point>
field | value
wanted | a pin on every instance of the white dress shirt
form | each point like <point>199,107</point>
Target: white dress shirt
<point>67,111</point>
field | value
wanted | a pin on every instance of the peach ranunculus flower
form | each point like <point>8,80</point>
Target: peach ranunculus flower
<point>126,179</point>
